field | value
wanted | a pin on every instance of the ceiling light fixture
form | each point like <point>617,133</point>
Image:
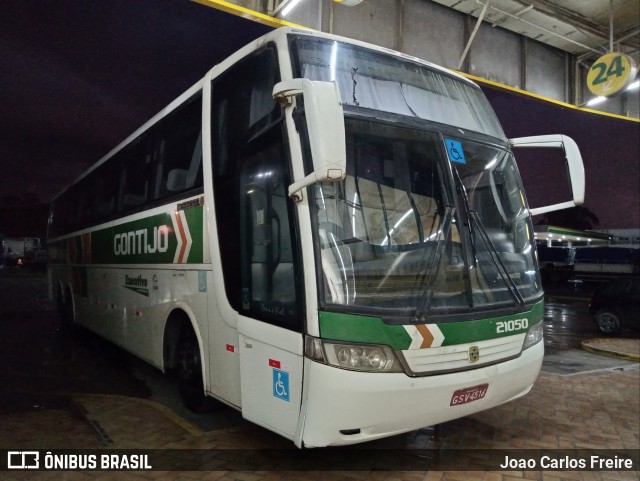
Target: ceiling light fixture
<point>634,85</point>
<point>595,101</point>
<point>289,6</point>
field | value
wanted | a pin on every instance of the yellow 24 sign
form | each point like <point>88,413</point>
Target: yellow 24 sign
<point>610,74</point>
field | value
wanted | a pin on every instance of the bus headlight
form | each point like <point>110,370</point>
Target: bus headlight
<point>356,357</point>
<point>534,336</point>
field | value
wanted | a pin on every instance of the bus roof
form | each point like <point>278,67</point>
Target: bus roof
<point>277,35</point>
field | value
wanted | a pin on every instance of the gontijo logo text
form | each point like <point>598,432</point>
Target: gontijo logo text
<point>141,241</point>
<point>172,237</point>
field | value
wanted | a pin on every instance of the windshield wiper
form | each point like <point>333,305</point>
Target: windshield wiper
<point>474,218</point>
<point>434,265</point>
<point>484,235</point>
<point>467,208</point>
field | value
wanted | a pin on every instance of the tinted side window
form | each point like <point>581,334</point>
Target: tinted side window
<point>61,218</point>
<point>179,150</point>
<point>137,174</point>
<point>165,160</point>
<point>106,185</point>
<point>253,212</point>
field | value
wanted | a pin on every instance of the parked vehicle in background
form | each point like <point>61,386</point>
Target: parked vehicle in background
<point>607,260</point>
<point>556,263</point>
<point>24,251</point>
<point>616,305</point>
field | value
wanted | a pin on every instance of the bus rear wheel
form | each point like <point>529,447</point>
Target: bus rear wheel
<point>65,310</point>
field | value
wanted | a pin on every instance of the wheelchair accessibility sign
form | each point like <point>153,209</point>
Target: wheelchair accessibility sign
<point>454,151</point>
<point>281,384</point>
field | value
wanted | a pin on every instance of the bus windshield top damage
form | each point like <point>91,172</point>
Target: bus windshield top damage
<point>430,220</point>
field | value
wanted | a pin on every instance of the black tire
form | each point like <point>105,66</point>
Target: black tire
<point>65,310</point>
<point>60,304</point>
<point>608,322</point>
<point>189,370</point>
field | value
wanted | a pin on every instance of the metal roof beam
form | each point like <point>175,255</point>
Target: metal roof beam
<point>539,27</point>
<point>569,17</point>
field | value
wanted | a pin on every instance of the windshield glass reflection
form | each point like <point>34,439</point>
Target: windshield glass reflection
<point>390,236</point>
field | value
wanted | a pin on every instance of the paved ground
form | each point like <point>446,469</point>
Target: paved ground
<point>83,394</point>
<point>614,347</point>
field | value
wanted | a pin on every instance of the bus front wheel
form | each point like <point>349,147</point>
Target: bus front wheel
<point>189,370</point>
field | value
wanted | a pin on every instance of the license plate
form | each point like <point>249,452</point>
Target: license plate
<point>468,394</point>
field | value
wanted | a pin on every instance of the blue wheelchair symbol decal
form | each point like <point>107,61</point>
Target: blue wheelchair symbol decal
<point>281,384</point>
<point>455,151</point>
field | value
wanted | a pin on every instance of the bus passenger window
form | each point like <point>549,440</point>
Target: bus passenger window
<point>179,149</point>
<point>137,174</point>
<point>105,188</point>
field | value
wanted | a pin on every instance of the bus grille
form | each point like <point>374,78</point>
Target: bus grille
<point>457,357</point>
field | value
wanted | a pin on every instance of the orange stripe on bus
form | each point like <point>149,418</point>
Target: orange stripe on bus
<point>183,248</point>
<point>426,334</point>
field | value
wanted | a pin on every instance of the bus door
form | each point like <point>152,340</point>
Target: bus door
<point>270,330</point>
<point>271,376</point>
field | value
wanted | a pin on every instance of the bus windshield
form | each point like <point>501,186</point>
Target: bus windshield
<point>390,235</point>
<point>414,226</point>
<point>376,80</point>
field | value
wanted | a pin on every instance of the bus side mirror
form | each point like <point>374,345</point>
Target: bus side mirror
<point>574,165</point>
<point>325,126</point>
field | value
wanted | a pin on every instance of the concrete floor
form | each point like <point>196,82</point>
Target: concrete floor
<point>82,393</point>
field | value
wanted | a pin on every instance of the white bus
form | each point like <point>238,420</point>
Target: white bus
<point>327,235</point>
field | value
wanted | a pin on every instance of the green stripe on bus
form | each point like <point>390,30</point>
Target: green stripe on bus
<point>194,217</point>
<point>368,329</point>
<point>144,241</point>
<point>351,327</point>
<point>491,328</point>
<point>150,240</point>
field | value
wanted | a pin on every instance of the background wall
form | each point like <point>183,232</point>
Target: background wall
<point>439,34</point>
<point>609,148</point>
<point>422,28</point>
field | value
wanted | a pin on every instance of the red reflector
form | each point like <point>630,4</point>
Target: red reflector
<point>274,363</point>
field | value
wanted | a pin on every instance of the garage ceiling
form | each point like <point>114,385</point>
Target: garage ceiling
<point>579,27</point>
